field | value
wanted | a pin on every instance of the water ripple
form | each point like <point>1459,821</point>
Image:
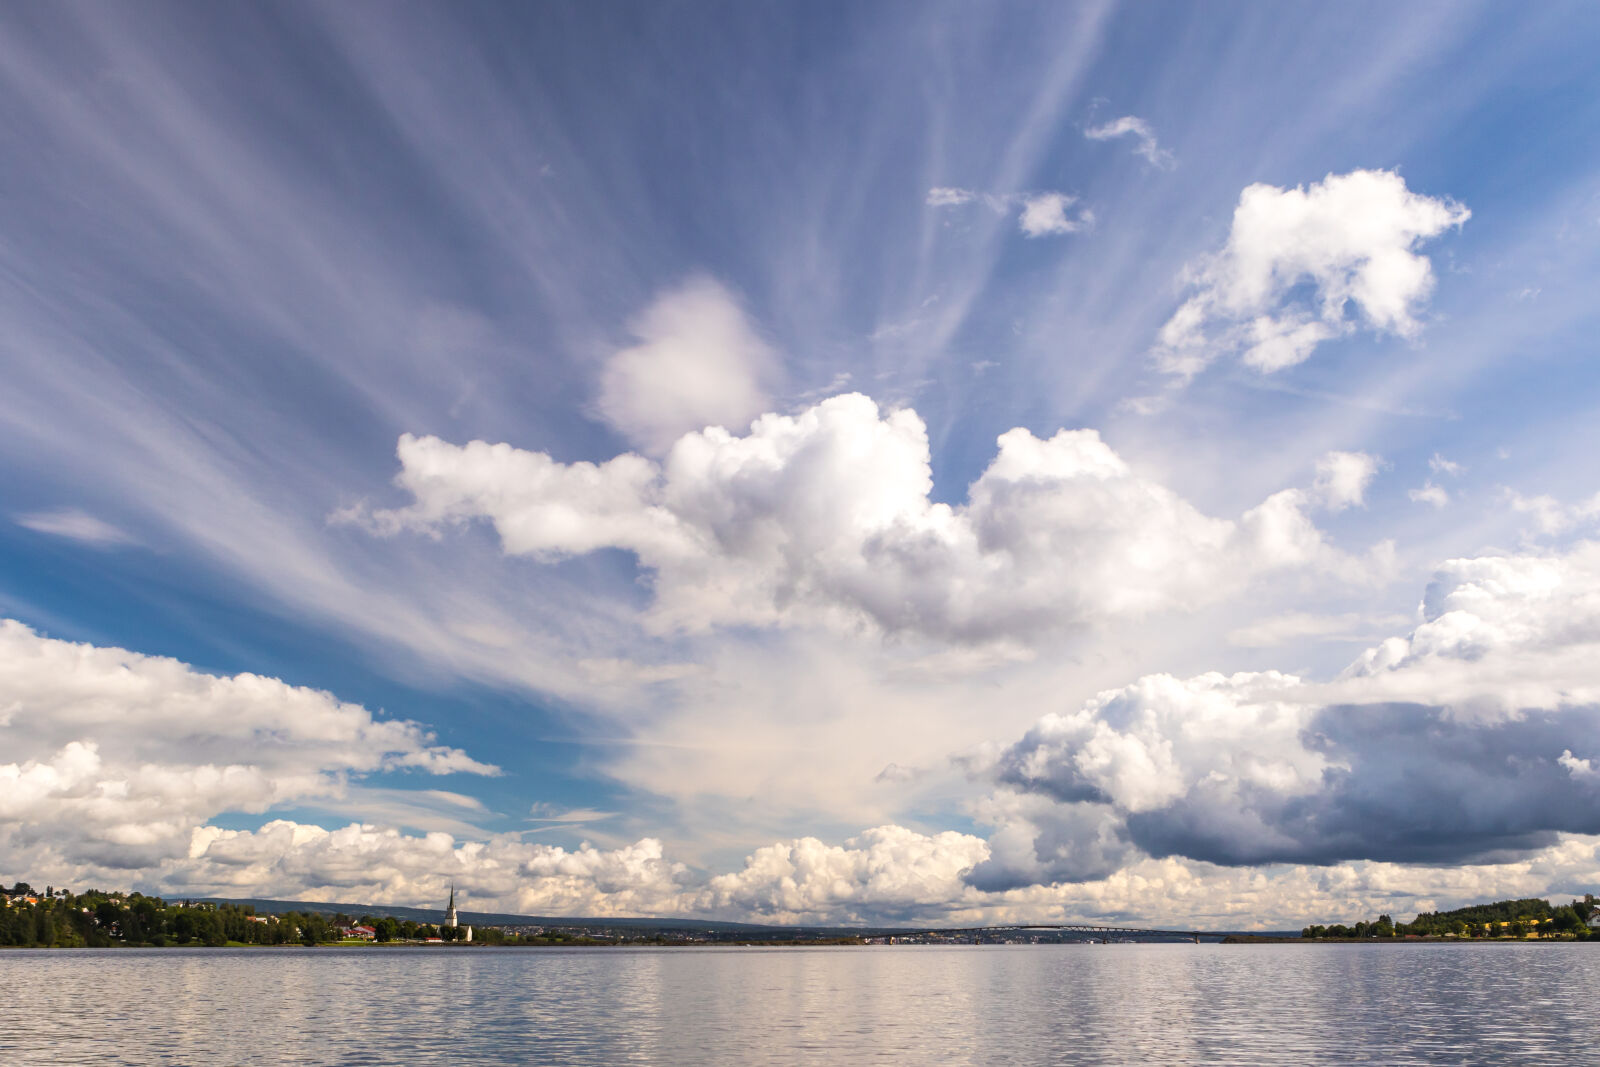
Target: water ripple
<point>1111,1004</point>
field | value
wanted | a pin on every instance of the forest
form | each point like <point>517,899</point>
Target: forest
<point>1516,919</point>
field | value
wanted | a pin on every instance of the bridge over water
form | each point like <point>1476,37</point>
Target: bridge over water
<point>1100,933</point>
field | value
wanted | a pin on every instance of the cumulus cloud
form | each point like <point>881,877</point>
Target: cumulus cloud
<point>1578,768</point>
<point>1343,477</point>
<point>824,517</point>
<point>889,874</point>
<point>1305,265</point>
<point>1046,215</point>
<point>697,362</point>
<point>885,874</point>
<point>1137,128</point>
<point>1463,741</point>
<point>1499,635</point>
<point>1429,494</point>
<point>114,757</point>
<point>363,863</point>
<point>75,525</point>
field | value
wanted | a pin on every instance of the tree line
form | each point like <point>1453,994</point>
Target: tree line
<point>1503,918</point>
<point>98,919</point>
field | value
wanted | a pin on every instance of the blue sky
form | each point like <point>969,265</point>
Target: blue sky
<point>265,274</point>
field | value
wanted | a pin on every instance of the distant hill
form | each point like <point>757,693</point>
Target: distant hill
<point>494,918</point>
<point>643,925</point>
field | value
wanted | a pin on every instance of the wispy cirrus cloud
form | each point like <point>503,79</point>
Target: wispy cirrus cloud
<point>1137,128</point>
<point>1552,517</point>
<point>75,525</point>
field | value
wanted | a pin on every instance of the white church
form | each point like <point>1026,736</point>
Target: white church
<point>451,920</point>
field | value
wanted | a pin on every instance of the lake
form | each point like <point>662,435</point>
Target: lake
<point>1066,1004</point>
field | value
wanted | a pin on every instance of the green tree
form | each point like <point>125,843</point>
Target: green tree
<point>108,916</point>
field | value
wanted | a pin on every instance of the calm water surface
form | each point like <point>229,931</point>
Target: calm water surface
<point>1213,1004</point>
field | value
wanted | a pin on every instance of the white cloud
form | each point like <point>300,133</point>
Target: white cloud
<point>1429,494</point>
<point>363,863</point>
<point>1499,634</point>
<point>1439,465</point>
<point>885,873</point>
<point>1045,215</point>
<point>1133,126</point>
<point>698,362</point>
<point>115,757</point>
<point>825,517</point>
<point>1550,516</point>
<point>1352,237</point>
<point>945,196</point>
<point>1343,477</point>
<point>550,813</point>
<point>1578,768</point>
<point>75,525</point>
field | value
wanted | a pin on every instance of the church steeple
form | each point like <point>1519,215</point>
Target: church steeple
<point>450,910</point>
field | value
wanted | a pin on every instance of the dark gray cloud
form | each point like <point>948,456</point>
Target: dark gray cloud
<point>1415,785</point>
<point>1404,782</point>
<point>1066,843</point>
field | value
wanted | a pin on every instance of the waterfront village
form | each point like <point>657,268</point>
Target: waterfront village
<point>54,917</point>
<point>60,918</point>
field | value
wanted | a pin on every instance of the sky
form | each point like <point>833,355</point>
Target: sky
<point>854,463</point>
